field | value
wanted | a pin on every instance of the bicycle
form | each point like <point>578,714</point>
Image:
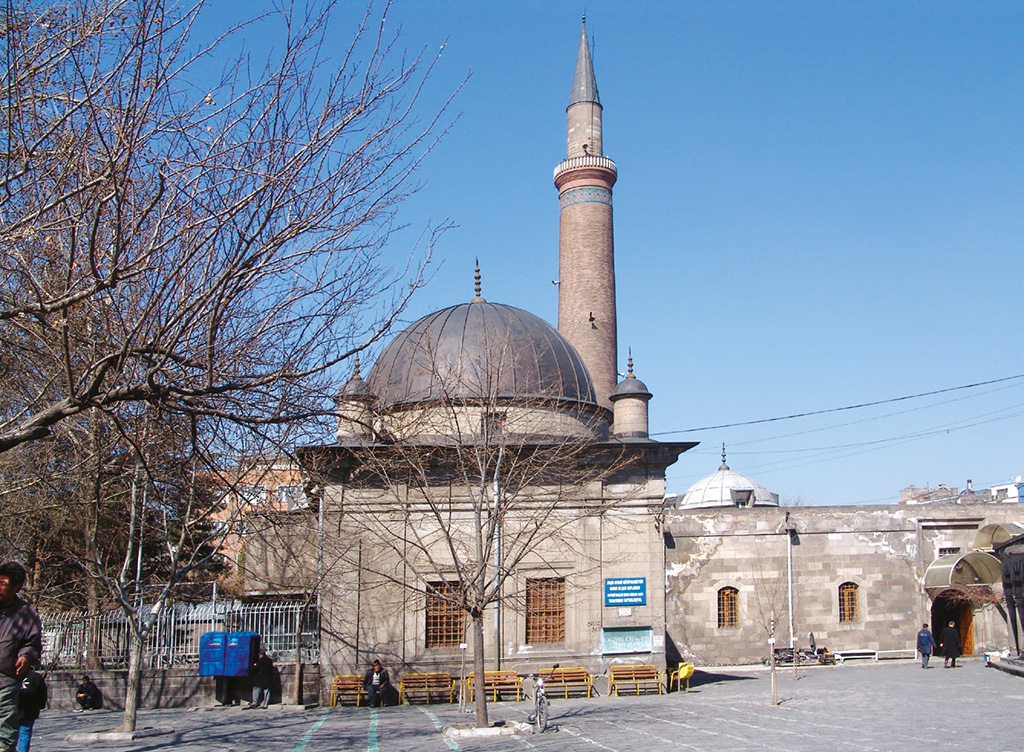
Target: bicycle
<point>539,719</point>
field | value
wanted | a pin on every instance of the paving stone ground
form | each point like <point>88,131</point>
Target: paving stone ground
<point>860,707</point>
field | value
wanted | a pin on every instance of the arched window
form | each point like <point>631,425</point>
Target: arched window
<point>728,607</point>
<point>848,610</point>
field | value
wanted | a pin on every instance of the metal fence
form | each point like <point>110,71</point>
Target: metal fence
<point>68,638</point>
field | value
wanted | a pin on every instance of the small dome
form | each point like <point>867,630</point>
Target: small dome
<point>476,350</point>
<point>355,387</point>
<point>726,488</point>
<point>631,386</point>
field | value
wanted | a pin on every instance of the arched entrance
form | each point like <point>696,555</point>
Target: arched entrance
<point>954,605</point>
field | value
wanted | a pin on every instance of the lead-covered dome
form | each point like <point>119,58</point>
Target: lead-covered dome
<point>726,488</point>
<point>480,350</point>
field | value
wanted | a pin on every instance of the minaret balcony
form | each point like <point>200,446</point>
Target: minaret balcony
<point>576,163</point>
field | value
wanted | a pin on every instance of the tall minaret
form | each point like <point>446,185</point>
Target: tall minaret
<point>586,255</point>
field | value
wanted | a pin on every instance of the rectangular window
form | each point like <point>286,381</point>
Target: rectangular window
<point>949,550</point>
<point>292,498</point>
<point>252,496</point>
<point>848,610</point>
<point>445,620</point>
<point>728,607</point>
<point>545,610</point>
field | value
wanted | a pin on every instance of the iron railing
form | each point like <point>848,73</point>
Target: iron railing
<point>69,638</point>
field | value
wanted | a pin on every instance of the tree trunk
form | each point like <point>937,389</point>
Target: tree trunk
<point>297,692</point>
<point>93,645</point>
<point>131,692</point>
<point>478,671</point>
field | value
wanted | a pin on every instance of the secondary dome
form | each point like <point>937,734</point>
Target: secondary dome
<point>480,350</point>
<point>726,488</point>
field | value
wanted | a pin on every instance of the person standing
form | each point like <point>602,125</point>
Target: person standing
<point>31,700</point>
<point>262,673</point>
<point>376,683</point>
<point>21,644</point>
<point>951,645</point>
<point>925,645</point>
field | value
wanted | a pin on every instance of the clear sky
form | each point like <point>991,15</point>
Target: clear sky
<point>819,204</point>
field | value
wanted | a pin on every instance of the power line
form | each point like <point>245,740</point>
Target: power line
<point>846,407</point>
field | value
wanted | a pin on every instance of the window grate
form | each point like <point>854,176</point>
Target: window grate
<point>728,607</point>
<point>848,610</point>
<point>545,610</point>
<point>445,620</point>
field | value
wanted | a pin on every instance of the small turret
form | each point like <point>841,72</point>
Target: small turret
<point>355,414</point>
<point>629,405</point>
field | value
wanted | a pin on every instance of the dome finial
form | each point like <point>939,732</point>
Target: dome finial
<point>477,299</point>
<point>724,466</point>
<point>629,363</point>
<point>356,374</point>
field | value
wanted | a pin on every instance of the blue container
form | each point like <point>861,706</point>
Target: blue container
<point>240,652</point>
<point>211,653</point>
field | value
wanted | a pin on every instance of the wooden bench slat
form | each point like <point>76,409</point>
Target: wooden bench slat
<point>496,682</point>
<point>567,679</point>
<point>426,684</point>
<point>640,676</point>
<point>349,685</point>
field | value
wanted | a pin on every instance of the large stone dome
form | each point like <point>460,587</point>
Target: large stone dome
<point>476,351</point>
<point>726,488</point>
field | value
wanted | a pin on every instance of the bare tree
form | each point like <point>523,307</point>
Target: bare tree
<point>207,243</point>
<point>770,600</point>
<point>191,250</point>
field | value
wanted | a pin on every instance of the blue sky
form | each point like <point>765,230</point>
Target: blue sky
<point>819,204</point>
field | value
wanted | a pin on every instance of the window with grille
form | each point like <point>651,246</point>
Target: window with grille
<point>292,497</point>
<point>545,610</point>
<point>946,551</point>
<point>848,602</point>
<point>445,620</point>
<point>728,607</point>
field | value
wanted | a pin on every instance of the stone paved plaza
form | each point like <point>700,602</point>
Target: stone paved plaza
<point>865,707</point>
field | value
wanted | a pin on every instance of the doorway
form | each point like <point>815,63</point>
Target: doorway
<point>954,605</point>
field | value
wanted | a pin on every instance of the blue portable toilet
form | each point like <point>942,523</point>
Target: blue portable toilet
<point>240,652</point>
<point>211,653</point>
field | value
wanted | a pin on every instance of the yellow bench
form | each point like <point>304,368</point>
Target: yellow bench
<point>497,683</point>
<point>425,684</point>
<point>563,681</point>
<point>680,675</point>
<point>346,686</point>
<point>637,677</point>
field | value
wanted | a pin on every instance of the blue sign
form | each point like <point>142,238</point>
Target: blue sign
<point>625,591</point>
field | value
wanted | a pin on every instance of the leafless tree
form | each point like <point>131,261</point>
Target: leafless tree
<point>194,248</point>
<point>209,243</point>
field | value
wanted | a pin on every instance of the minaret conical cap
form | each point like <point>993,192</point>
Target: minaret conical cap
<point>584,85</point>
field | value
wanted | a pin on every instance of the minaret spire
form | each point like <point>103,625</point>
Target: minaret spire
<point>586,255</point>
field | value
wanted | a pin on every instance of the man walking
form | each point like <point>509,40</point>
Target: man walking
<point>20,647</point>
<point>951,645</point>
<point>262,673</point>
<point>925,645</point>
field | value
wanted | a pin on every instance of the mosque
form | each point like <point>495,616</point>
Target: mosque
<point>493,480</point>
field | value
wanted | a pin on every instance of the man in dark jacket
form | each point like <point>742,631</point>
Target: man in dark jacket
<point>262,673</point>
<point>376,683</point>
<point>88,695</point>
<point>31,701</point>
<point>925,645</point>
<point>20,646</point>
<point>951,645</point>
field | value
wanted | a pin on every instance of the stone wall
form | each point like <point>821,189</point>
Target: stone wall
<point>176,687</point>
<point>883,550</point>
